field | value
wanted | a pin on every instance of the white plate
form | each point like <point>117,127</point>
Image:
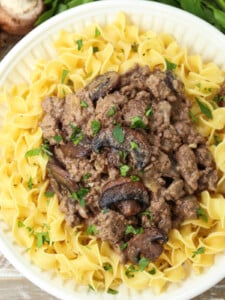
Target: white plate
<point>191,32</point>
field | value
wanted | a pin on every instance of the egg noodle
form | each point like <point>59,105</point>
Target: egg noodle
<point>34,216</point>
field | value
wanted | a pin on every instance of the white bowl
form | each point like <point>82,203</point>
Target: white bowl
<point>196,35</point>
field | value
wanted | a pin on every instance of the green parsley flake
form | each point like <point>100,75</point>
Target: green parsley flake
<point>112,291</point>
<point>83,104</point>
<point>152,271</point>
<point>58,138</point>
<point>148,112</point>
<point>33,152</point>
<point>105,210</point>
<point>91,229</point>
<point>107,267</point>
<point>134,178</point>
<point>123,246</point>
<point>79,44</point>
<point>130,271</point>
<point>137,122</point>
<point>95,126</point>
<point>86,177</point>
<point>131,229</point>
<point>200,250</point>
<point>30,183</point>
<point>143,263</point>
<point>123,154</point>
<point>95,49</point>
<point>118,134</point>
<point>20,224</point>
<point>193,117</point>
<point>204,109</point>
<point>148,214</point>
<point>202,214</point>
<point>134,47</point>
<point>124,170</point>
<point>49,194</point>
<point>90,288</point>
<point>216,140</point>
<point>169,65</point>
<point>42,238</point>
<point>97,32</point>
<point>64,74</point>
<point>76,136</point>
<point>111,112</point>
<point>80,194</point>
<point>134,146</point>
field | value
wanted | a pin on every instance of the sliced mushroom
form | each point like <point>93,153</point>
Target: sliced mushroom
<point>147,244</point>
<point>102,85</point>
<point>81,150</point>
<point>140,155</point>
<point>123,189</point>
<point>61,176</point>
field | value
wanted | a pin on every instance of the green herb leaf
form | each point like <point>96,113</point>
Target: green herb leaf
<point>105,210</point>
<point>83,104</point>
<point>193,117</point>
<point>124,170</point>
<point>170,66</point>
<point>111,111</point>
<point>112,291</point>
<point>143,263</point>
<point>202,213</point>
<point>95,49</point>
<point>86,177</point>
<point>148,214</point>
<point>95,126</point>
<point>49,194</point>
<point>107,267</point>
<point>134,47</point>
<point>152,271</point>
<point>45,148</point>
<point>97,32</point>
<point>148,112</point>
<point>79,44</point>
<point>80,194</point>
<point>33,152</point>
<point>134,178</point>
<point>123,155</point>
<point>91,229</point>
<point>204,109</point>
<point>20,224</point>
<point>30,183</point>
<point>76,136</point>
<point>216,140</point>
<point>137,122</point>
<point>42,238</point>
<point>200,250</point>
<point>64,74</point>
<point>131,229</point>
<point>90,288</point>
<point>58,138</point>
<point>118,134</point>
<point>123,246</point>
<point>199,85</point>
<point>134,146</point>
<point>130,271</point>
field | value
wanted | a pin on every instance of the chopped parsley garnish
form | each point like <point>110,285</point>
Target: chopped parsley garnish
<point>204,109</point>
<point>200,250</point>
<point>49,194</point>
<point>199,85</point>
<point>123,246</point>
<point>86,177</point>
<point>30,183</point>
<point>42,238</point>
<point>80,194</point>
<point>79,44</point>
<point>111,111</point>
<point>193,117</point>
<point>58,138</point>
<point>143,263</point>
<point>216,140</point>
<point>118,134</point>
<point>83,104</point>
<point>130,271</point>
<point>148,214</point>
<point>20,224</point>
<point>95,49</point>
<point>91,229</point>
<point>152,271</point>
<point>202,214</point>
<point>134,145</point>
<point>97,32</point>
<point>131,229</point>
<point>218,98</point>
<point>134,47</point>
<point>76,136</point>
<point>134,178</point>
<point>123,154</point>
<point>137,122</point>
<point>124,169</point>
<point>64,74</point>
<point>107,267</point>
<point>95,126</point>
<point>169,65</point>
<point>112,291</point>
<point>33,152</point>
<point>148,112</point>
<point>105,210</point>
<point>90,288</point>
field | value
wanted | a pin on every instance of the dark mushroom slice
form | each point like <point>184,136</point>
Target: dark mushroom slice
<point>81,150</point>
<point>140,155</point>
<point>133,194</point>
<point>61,176</point>
<point>102,85</point>
<point>148,244</point>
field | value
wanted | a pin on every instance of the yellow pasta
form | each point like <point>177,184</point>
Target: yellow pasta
<point>35,218</point>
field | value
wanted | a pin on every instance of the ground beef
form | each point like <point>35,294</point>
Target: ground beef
<point>129,160</point>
